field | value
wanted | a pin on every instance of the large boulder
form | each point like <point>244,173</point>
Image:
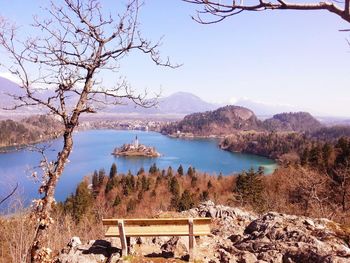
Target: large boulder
<point>92,252</point>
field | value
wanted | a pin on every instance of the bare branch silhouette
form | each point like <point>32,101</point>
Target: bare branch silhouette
<point>9,195</point>
<point>218,10</point>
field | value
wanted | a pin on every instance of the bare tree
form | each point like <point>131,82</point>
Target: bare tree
<point>222,9</point>
<point>71,47</point>
<point>341,180</point>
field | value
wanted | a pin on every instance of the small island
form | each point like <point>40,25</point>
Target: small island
<point>135,149</point>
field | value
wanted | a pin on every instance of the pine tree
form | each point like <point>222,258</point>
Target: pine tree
<point>180,170</point>
<point>153,169</point>
<point>117,200</point>
<point>174,186</point>
<point>130,181</point>
<point>101,176</point>
<point>95,182</point>
<point>169,172</point>
<point>110,184</point>
<point>220,176</point>
<point>326,155</point>
<point>186,201</point>
<point>343,146</point>
<point>141,171</point>
<point>190,171</point>
<point>145,183</point>
<point>315,156</point>
<point>113,171</point>
<point>209,185</point>
<point>83,200</point>
<point>204,196</point>
<point>194,180</point>
<point>249,188</point>
<point>304,158</point>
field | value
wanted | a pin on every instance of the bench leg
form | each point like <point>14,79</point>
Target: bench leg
<point>122,238</point>
<point>128,244</point>
<point>190,238</point>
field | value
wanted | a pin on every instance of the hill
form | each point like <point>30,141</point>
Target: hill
<point>222,121</point>
<point>28,131</point>
<point>292,121</point>
<point>230,119</point>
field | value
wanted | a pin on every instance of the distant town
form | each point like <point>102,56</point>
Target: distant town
<point>136,124</point>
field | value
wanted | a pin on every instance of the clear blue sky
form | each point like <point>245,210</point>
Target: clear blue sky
<point>275,57</point>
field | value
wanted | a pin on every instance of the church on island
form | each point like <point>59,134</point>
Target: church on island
<point>136,149</point>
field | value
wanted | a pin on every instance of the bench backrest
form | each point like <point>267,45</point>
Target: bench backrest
<point>158,227</point>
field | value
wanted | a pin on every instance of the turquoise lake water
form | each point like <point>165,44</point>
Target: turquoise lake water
<point>92,151</point>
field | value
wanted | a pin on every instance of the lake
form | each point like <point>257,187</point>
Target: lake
<point>92,151</point>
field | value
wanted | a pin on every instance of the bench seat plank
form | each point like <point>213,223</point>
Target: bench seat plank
<point>156,221</point>
<point>159,230</point>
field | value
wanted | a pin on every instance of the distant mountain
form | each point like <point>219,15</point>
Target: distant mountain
<point>292,121</point>
<point>177,103</point>
<point>8,87</point>
<point>183,102</point>
<point>222,121</point>
<point>263,109</point>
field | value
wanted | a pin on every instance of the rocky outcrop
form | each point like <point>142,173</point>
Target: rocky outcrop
<point>239,236</point>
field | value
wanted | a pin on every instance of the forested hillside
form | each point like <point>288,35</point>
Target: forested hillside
<point>232,119</point>
<point>29,130</point>
<point>292,121</point>
<point>222,121</point>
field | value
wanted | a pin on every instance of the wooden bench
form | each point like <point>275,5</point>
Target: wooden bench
<point>126,228</point>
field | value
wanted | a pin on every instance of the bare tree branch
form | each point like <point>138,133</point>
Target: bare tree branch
<point>223,9</point>
<point>9,195</point>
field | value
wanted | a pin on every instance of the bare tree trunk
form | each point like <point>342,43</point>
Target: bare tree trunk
<point>72,49</point>
<point>48,200</point>
<point>38,251</point>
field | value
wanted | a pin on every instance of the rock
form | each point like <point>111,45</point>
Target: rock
<point>237,236</point>
<point>309,222</point>
<point>270,256</point>
<point>75,241</point>
<point>247,257</point>
<point>226,257</point>
<point>93,251</point>
<point>168,248</point>
<point>176,247</point>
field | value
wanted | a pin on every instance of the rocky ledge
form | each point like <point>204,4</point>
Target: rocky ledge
<point>237,236</point>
